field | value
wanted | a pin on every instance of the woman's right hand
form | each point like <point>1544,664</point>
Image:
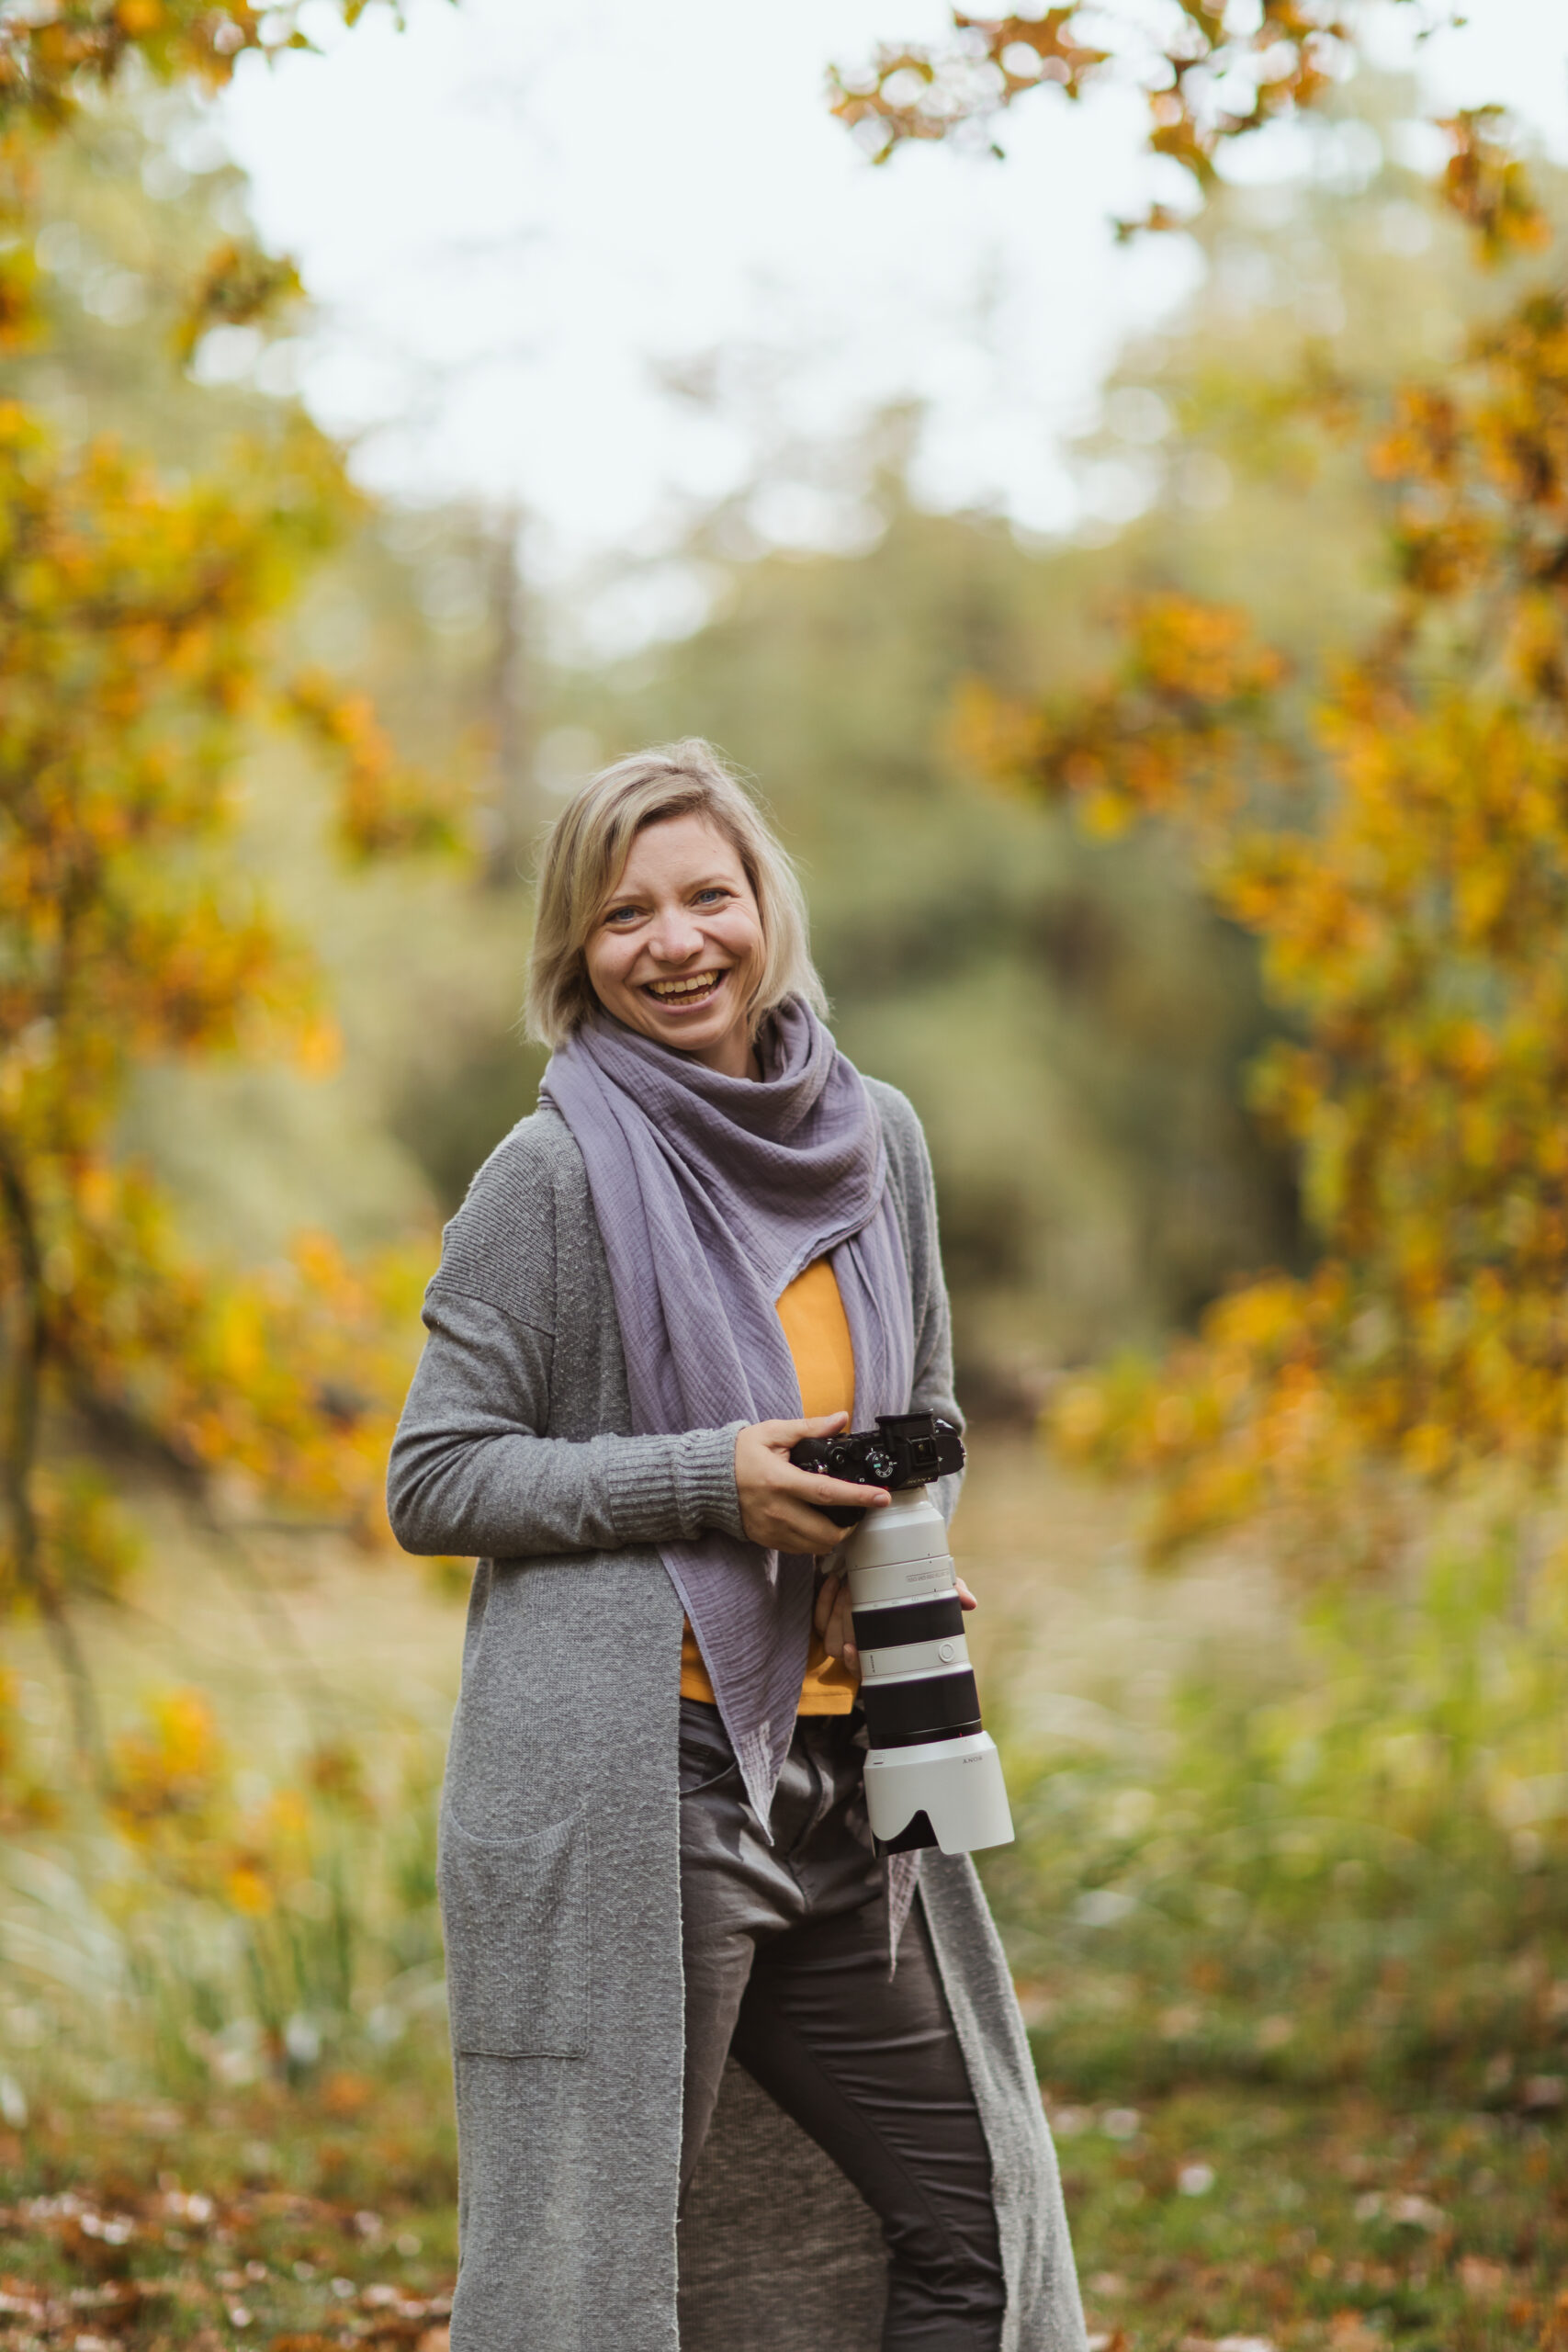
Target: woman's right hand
<point>783,1508</point>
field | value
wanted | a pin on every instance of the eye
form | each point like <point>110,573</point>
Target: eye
<point>620,917</point>
<point>713,890</point>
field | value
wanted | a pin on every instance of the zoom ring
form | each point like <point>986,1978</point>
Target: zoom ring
<point>908,1621</point>
<point>929,1706</point>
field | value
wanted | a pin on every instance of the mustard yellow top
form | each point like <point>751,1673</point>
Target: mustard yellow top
<point>815,1325</point>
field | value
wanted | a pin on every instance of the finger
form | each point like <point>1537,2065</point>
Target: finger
<point>827,1604</point>
<point>800,1529</point>
<point>848,1651</point>
<point>832,1494</point>
<point>788,1433</point>
<point>966,1598</point>
<point>840,1638</point>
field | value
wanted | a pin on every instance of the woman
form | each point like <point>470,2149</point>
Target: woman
<point>712,1238</point>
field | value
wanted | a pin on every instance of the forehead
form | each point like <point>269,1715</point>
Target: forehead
<point>673,849</point>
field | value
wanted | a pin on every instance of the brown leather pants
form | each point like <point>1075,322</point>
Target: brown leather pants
<point>785,1951</point>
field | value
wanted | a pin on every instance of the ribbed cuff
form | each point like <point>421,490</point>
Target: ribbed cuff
<point>641,1487</point>
<point>655,1490</point>
<point>705,1469</point>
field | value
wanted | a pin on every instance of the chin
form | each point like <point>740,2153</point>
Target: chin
<point>694,1036</point>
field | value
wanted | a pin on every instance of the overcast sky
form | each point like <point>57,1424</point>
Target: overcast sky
<point>518,215</point>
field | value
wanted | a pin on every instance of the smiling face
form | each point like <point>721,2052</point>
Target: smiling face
<point>677,948</point>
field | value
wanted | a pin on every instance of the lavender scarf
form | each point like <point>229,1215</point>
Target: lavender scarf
<point>712,1193</point>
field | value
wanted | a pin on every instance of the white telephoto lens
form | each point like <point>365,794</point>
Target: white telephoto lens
<point>932,1774</point>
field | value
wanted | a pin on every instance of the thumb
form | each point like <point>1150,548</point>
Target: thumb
<point>823,1425</point>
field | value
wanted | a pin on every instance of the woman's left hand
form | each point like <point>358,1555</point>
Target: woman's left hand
<point>832,1619</point>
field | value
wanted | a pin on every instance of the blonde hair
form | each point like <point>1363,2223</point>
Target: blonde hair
<point>585,853</point>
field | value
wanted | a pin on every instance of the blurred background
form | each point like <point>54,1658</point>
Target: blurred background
<point>1148,641</point>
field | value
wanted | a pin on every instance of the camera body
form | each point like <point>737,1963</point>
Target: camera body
<point>932,1774</point>
<point>903,1450</point>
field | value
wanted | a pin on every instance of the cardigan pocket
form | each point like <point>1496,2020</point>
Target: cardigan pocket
<point>516,1913</point>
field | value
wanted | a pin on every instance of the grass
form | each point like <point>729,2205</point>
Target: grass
<point>324,2215</point>
<point>1287,1909</point>
<point>306,2216</point>
<point>1344,2222</point>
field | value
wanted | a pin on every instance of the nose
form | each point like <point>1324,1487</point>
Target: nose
<point>674,937</point>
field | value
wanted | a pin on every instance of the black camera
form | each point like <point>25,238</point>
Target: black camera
<point>903,1450</point>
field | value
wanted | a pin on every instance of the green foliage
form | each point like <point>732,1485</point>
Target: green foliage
<point>237,1929</point>
<point>1352,1875</point>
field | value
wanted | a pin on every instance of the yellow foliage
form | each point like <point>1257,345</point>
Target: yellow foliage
<point>171,1796</point>
<point>1175,733</point>
<point>1416,933</point>
<point>383,808</point>
<point>137,653</point>
<point>173,1769</point>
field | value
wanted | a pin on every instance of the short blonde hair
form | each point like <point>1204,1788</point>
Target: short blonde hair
<point>585,853</point>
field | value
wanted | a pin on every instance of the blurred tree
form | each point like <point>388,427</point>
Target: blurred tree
<point>138,647</point>
<point>1212,75</point>
<point>1391,829</point>
<point>1071,1016</point>
<point>512,816</point>
<point>421,969</point>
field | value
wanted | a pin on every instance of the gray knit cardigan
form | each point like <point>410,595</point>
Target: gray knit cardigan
<point>559,1866</point>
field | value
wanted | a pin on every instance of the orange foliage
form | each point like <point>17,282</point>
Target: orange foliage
<point>1210,75</point>
<point>1484,182</point>
<point>1176,730</point>
<point>173,1799</point>
<point>52,56</point>
<point>136,652</point>
<point>49,55</point>
<point>1195,63</point>
<point>1415,925</point>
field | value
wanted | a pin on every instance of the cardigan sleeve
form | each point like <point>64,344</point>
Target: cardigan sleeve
<point>470,1474</point>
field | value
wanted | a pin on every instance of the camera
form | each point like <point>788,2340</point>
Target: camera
<point>932,1774</point>
<point>903,1450</point>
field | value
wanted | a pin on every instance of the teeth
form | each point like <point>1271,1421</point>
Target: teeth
<point>694,986</point>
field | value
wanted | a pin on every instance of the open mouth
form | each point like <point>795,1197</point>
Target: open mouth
<point>691,987</point>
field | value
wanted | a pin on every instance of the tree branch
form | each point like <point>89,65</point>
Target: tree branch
<point>18,1460</point>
